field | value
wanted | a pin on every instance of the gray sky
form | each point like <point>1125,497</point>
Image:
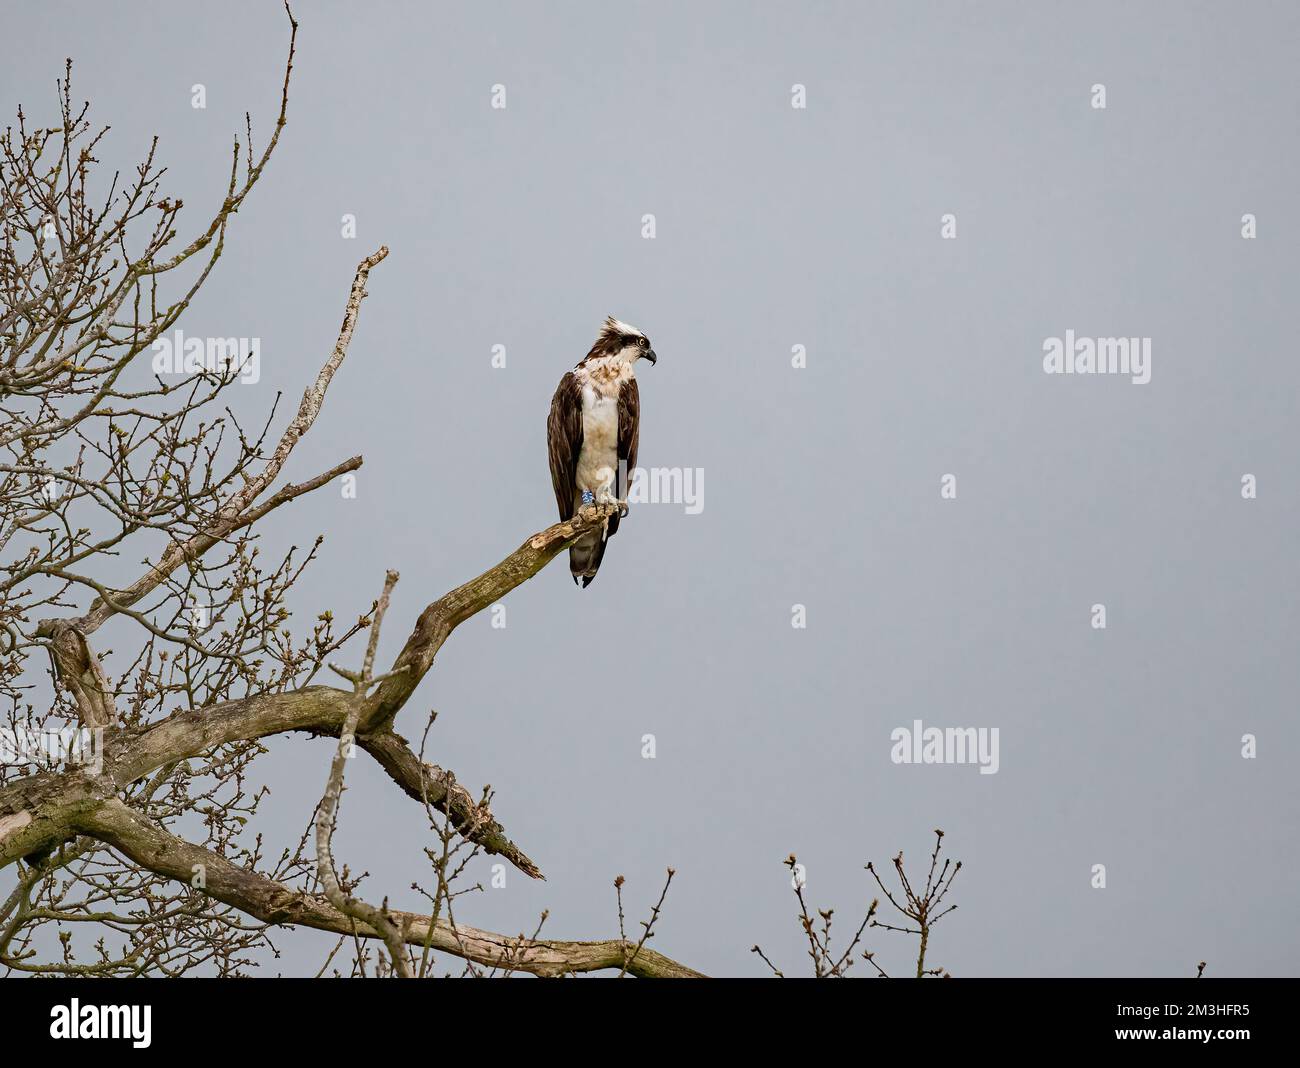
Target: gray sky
<point>777,227</point>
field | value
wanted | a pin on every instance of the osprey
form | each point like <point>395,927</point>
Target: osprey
<point>591,436</point>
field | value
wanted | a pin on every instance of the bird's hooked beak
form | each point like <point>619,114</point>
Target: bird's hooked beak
<point>649,354</point>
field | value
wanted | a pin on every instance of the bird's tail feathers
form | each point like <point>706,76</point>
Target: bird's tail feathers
<point>585,555</point>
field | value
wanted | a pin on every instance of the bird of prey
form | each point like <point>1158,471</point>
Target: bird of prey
<point>591,436</point>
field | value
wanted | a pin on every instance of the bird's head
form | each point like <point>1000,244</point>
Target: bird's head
<point>618,338</point>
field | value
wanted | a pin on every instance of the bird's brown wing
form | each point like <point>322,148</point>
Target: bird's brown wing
<point>564,441</point>
<point>629,434</point>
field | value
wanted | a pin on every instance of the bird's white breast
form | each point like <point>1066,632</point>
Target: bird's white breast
<point>599,456</point>
<point>598,461</point>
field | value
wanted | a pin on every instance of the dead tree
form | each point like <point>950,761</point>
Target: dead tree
<point>105,458</point>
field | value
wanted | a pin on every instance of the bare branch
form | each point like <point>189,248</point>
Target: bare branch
<point>230,514</point>
<point>376,919</point>
<point>36,811</point>
<point>271,902</point>
<point>440,618</point>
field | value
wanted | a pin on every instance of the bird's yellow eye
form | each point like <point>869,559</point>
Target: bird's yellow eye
<point>643,342</point>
